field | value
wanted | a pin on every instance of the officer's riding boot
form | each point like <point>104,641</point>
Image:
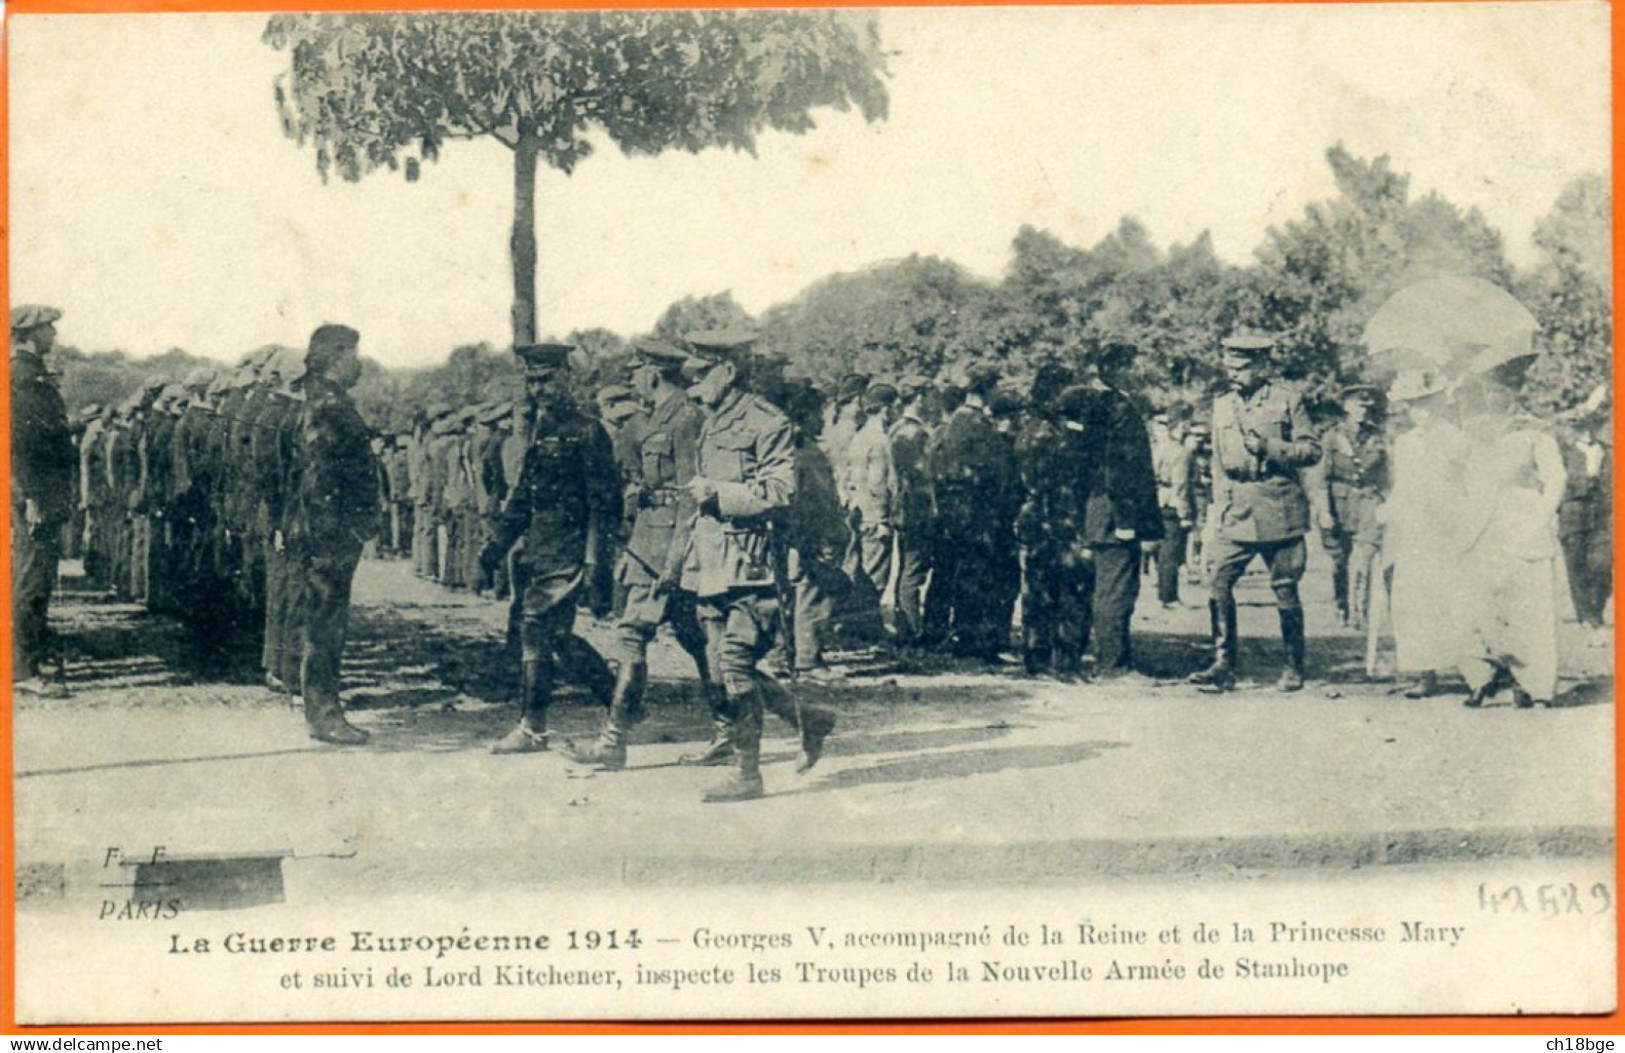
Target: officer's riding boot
<point>721,749</point>
<point>1292,639</point>
<point>745,784</point>
<point>609,750</point>
<point>813,723</point>
<point>1221,675</point>
<point>324,718</point>
<point>530,734</point>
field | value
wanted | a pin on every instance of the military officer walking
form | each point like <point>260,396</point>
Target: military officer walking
<point>1262,440</point>
<point>662,451</point>
<point>337,515</point>
<point>566,504</point>
<point>42,458</point>
<point>745,476</point>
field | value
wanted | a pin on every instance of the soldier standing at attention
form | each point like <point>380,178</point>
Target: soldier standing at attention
<point>746,476</point>
<point>42,456</point>
<point>1120,510</point>
<point>662,450</point>
<point>337,515</point>
<point>1262,440</point>
<point>566,504</point>
<point>1345,489</point>
<point>909,438</point>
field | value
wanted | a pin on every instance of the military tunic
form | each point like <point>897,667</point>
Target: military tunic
<point>1259,504</point>
<point>566,501</point>
<point>659,454</point>
<point>42,457</point>
<point>1345,489</point>
<point>337,514</point>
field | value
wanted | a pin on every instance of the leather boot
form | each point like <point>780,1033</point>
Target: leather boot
<point>1221,675</point>
<point>721,749</point>
<point>530,734</point>
<point>324,719</point>
<point>745,784</point>
<point>608,752</point>
<point>813,723</point>
<point>1292,640</point>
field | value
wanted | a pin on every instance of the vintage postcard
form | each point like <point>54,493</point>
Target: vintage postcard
<point>1080,511</point>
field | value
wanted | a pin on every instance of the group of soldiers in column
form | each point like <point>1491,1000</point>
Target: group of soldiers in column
<point>232,501</point>
<point>764,520</point>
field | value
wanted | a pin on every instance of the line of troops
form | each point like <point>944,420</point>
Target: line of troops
<point>757,517</point>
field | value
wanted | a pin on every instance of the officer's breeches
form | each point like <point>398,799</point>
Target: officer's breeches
<point>1285,559</point>
<point>740,628</point>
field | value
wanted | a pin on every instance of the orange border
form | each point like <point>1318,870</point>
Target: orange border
<point>1613,1023</point>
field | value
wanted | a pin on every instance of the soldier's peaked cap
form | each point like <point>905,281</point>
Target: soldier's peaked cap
<point>661,356</point>
<point>717,344</point>
<point>1246,344</point>
<point>852,386</point>
<point>28,315</point>
<point>879,394</point>
<point>1368,392</point>
<point>543,358</point>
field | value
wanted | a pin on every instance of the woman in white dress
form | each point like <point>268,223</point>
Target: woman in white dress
<point>1419,539</point>
<point>1514,481</point>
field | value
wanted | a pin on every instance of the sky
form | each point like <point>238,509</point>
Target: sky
<point>155,199</point>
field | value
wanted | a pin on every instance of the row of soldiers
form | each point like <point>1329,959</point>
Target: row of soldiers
<point>231,501</point>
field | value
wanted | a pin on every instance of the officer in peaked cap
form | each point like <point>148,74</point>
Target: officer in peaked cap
<point>744,478</point>
<point>1262,440</point>
<point>566,505</point>
<point>658,452</point>
<point>1344,491</point>
<point>42,465</point>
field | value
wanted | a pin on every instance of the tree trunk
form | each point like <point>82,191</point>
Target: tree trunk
<point>522,240</point>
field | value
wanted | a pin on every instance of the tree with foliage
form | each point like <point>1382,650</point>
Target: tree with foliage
<point>372,91</point>
<point>1570,293</point>
<point>1320,278</point>
<point>920,314</point>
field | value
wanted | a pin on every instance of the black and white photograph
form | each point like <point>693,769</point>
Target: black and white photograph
<point>829,513</point>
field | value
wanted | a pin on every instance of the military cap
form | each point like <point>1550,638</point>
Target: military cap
<point>614,393</point>
<point>1368,392</point>
<point>1246,344</point>
<point>714,345</point>
<point>153,385</point>
<point>259,357</point>
<point>28,315</point>
<point>662,356</point>
<point>879,394</point>
<point>1006,401</point>
<point>619,410</point>
<point>543,359</point>
<point>1116,353</point>
<point>89,412</point>
<point>1072,405</point>
<point>495,411</point>
<point>198,379</point>
<point>444,424</point>
<point>852,386</point>
<point>327,343</point>
<point>981,379</point>
<point>913,384</point>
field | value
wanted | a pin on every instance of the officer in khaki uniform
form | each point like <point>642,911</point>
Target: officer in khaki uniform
<point>1262,441</point>
<point>1344,490</point>
<point>745,477</point>
<point>566,504</point>
<point>661,453</point>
